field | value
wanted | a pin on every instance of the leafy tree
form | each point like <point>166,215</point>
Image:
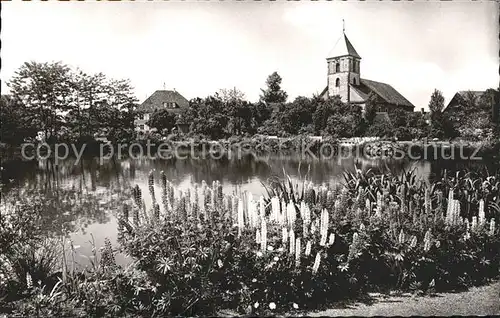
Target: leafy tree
<point>399,117</point>
<point>14,126</point>
<point>45,90</point>
<point>261,113</point>
<point>382,129</point>
<point>162,119</point>
<point>91,90</point>
<point>371,108</point>
<point>417,125</point>
<point>344,126</point>
<point>324,110</point>
<point>273,93</point>
<point>347,116</point>
<point>101,106</point>
<point>241,117</point>
<point>240,112</point>
<point>207,116</point>
<point>73,105</point>
<point>231,94</point>
<point>441,126</point>
<point>297,115</point>
<point>400,123</point>
<point>436,103</point>
<point>489,103</point>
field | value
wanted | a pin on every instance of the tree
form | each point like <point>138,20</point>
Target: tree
<point>231,94</point>
<point>240,112</point>
<point>14,126</point>
<point>493,96</point>
<point>273,93</point>
<point>261,113</point>
<point>343,126</point>
<point>324,110</point>
<point>297,114</point>
<point>101,106</point>
<point>417,125</point>
<point>45,90</point>
<point>371,108</point>
<point>441,126</point>
<point>436,103</point>
<point>381,128</point>
<point>207,116</point>
<point>399,117</point>
<point>73,105</point>
<point>162,119</point>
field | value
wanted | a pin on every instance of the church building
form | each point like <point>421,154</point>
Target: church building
<point>344,79</point>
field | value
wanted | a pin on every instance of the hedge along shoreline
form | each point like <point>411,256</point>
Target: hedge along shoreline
<point>301,247</point>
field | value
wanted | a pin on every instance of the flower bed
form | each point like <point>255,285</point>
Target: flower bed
<point>305,246</point>
<point>300,248</point>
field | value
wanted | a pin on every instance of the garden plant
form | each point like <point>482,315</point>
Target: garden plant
<point>300,247</point>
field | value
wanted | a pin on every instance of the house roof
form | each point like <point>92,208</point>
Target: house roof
<point>385,91</point>
<point>156,100</point>
<point>462,95</point>
<point>343,47</point>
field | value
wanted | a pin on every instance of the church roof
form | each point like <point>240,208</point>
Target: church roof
<point>156,100</point>
<point>385,91</point>
<point>343,47</point>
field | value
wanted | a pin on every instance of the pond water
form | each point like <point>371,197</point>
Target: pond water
<point>88,220</point>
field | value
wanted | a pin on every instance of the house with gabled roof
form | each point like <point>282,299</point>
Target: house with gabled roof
<point>478,107</point>
<point>171,100</point>
<point>344,79</point>
<point>461,98</point>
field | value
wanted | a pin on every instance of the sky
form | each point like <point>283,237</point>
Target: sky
<point>198,48</point>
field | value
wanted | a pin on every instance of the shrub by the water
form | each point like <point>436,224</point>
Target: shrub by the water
<point>301,247</point>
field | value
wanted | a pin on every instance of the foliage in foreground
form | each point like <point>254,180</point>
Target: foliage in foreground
<point>301,247</point>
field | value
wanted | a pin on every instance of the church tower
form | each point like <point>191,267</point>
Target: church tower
<point>343,68</point>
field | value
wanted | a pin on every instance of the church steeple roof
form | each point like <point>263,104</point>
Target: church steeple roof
<point>343,47</point>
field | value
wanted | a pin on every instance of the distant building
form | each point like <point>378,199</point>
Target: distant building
<point>461,98</point>
<point>344,79</point>
<point>173,101</point>
<point>473,105</point>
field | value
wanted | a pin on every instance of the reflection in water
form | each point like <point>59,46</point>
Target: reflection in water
<point>78,198</point>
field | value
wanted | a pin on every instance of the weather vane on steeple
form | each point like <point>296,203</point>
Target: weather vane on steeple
<point>343,26</point>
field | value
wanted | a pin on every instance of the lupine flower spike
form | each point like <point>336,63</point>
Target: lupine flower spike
<point>481,215</point>
<point>317,260</point>
<point>297,251</point>
<point>284,235</point>
<point>292,242</point>
<point>308,248</point>
<point>263,233</point>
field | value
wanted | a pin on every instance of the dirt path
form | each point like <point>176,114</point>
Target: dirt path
<point>483,300</point>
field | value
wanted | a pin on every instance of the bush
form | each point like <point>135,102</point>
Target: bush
<point>300,247</point>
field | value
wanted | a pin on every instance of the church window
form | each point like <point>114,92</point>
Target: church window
<point>337,82</point>
<point>337,67</point>
<point>354,80</point>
